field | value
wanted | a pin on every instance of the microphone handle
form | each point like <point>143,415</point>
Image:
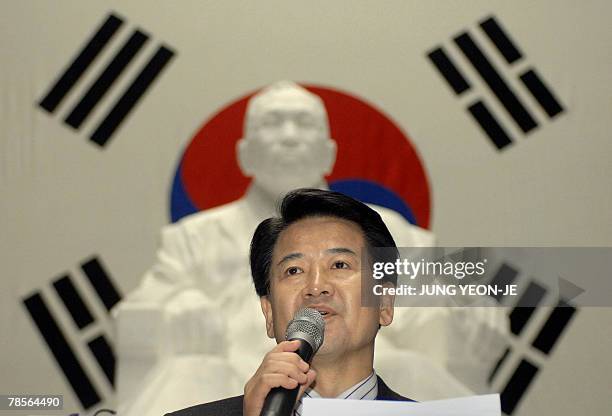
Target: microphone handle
<point>281,401</point>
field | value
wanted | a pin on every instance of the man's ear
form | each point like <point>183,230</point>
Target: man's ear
<point>386,307</point>
<point>266,308</point>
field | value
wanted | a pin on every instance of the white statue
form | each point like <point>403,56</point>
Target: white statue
<point>200,286</point>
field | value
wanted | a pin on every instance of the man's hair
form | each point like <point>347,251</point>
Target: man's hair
<point>306,203</point>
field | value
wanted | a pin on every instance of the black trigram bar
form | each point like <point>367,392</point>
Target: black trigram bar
<point>495,82</point>
<point>489,124</point>
<point>80,64</point>
<point>505,276</point>
<point>110,74</point>
<point>129,99</point>
<point>105,357</point>
<point>73,301</point>
<point>498,365</point>
<point>501,40</point>
<point>556,323</point>
<point>449,71</point>
<point>521,313</point>
<point>61,350</point>
<point>517,385</point>
<point>541,93</point>
<point>101,283</point>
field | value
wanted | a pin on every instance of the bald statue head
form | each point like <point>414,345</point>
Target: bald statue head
<point>286,142</point>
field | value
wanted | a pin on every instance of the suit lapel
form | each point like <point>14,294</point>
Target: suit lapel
<point>385,393</point>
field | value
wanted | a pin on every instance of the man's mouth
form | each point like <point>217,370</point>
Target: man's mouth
<point>324,310</point>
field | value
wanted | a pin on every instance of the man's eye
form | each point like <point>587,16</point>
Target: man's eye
<point>293,270</point>
<point>340,265</point>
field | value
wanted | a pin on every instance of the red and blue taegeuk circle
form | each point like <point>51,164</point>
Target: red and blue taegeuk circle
<point>376,162</point>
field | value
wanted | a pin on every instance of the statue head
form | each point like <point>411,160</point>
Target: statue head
<point>286,143</point>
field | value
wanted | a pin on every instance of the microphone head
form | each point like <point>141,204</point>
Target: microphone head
<point>307,324</point>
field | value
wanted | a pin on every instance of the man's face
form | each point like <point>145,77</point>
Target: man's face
<point>316,262</point>
<point>288,143</point>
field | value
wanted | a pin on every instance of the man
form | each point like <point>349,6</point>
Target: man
<point>311,256</point>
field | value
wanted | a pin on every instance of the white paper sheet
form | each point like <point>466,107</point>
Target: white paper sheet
<point>485,405</point>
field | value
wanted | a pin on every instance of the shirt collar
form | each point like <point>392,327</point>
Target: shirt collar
<point>366,389</point>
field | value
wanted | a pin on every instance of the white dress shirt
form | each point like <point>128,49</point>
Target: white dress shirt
<point>366,389</point>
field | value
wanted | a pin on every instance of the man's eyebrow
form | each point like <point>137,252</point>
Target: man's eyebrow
<point>337,250</point>
<point>291,256</point>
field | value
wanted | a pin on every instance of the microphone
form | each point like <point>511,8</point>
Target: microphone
<point>307,326</point>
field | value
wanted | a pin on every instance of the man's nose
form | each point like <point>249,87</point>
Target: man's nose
<point>318,284</point>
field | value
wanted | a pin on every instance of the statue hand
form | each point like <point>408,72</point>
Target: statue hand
<point>195,324</point>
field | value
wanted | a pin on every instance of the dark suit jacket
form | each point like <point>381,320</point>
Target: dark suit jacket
<point>233,405</point>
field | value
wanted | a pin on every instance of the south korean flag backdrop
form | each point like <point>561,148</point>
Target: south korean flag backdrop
<point>499,112</point>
